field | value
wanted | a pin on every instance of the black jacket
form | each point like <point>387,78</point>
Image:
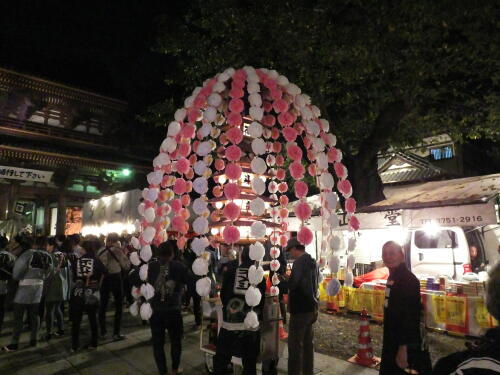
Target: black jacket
<point>169,281</point>
<point>303,285</point>
<point>483,358</point>
<point>87,273</point>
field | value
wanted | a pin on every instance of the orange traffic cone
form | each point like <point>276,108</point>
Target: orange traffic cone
<point>283,334</point>
<point>365,356</point>
<point>268,284</point>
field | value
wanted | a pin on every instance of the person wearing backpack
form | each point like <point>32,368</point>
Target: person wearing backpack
<point>87,273</point>
<point>7,260</point>
<point>30,269</point>
<point>56,290</point>
<point>116,263</point>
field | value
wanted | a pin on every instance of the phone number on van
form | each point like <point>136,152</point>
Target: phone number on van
<point>454,220</point>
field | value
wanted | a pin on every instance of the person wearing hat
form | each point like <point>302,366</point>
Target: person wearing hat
<point>303,305</point>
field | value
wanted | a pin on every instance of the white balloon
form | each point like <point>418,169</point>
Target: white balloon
<point>203,286</point>
<point>199,244</point>
<point>134,258</point>
<point>200,266</point>
<point>134,309</point>
<point>200,185</point>
<point>257,207</point>
<point>146,311</point>
<point>143,272</point>
<point>251,321</point>
<point>200,225</point>
<point>259,146</point>
<point>258,185</point>
<point>147,291</point>
<point>258,229</point>
<point>258,165</point>
<point>146,253</point>
<point>253,296</point>
<point>255,275</point>
<point>199,206</point>
<point>149,214</point>
<point>257,251</point>
<point>256,113</point>
<point>148,234</point>
<point>326,181</point>
<point>173,128</point>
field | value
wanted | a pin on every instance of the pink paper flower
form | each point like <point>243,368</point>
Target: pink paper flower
<point>236,105</point>
<point>307,142</point>
<point>350,205</point>
<point>231,211</point>
<point>235,135</point>
<point>178,223</point>
<point>340,170</point>
<point>193,115</point>
<point>219,164</point>
<point>297,170</point>
<point>305,236</point>
<point>231,234</point>
<point>234,119</point>
<point>182,165</point>
<point>231,190</point>
<point>176,205</point>
<point>334,155</point>
<point>269,83</point>
<point>354,223</point>
<point>181,242</point>
<point>233,171</point>
<point>275,133</point>
<point>344,186</point>
<point>185,200</point>
<point>280,160</point>
<point>283,213</point>
<point>269,120</point>
<point>280,174</point>
<point>184,149</point>
<point>179,186</point>
<point>310,155</point>
<point>284,200</point>
<point>280,105</point>
<point>283,187</point>
<point>301,189</point>
<point>286,119</point>
<point>303,211</point>
<point>233,153</point>
<point>290,134</point>
<point>217,191</point>
<point>294,152</point>
<point>238,83</point>
<point>188,131</point>
<point>276,94</point>
<point>311,169</point>
<point>267,106</point>
<point>236,92</point>
<point>200,101</point>
<point>276,147</point>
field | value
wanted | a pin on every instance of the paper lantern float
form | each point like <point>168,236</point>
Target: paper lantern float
<point>238,129</point>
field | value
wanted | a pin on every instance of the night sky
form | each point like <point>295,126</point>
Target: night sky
<point>104,48</point>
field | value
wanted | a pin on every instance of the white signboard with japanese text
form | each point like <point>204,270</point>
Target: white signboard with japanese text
<point>471,215</point>
<point>14,173</point>
<point>381,220</point>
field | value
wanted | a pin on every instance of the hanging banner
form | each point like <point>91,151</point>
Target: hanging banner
<point>14,173</point>
<point>461,216</point>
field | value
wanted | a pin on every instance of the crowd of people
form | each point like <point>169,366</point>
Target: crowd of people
<point>48,278</point>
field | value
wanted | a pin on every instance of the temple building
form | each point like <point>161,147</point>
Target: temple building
<point>60,147</point>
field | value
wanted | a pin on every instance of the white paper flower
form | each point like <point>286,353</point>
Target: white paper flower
<point>200,185</point>
<point>161,160</point>
<point>189,101</point>
<point>141,208</point>
<point>312,127</point>
<point>200,266</point>
<point>146,311</point>
<point>147,291</point>
<point>255,129</point>
<point>148,234</point>
<point>251,321</point>
<point>331,200</point>
<point>272,187</point>
<point>334,263</point>
<point>258,185</point>
<point>318,145</point>
<point>292,89</point>
<point>214,100</point>
<point>209,115</point>
<point>255,275</point>
<point>199,245</point>
<point>149,214</point>
<point>257,251</point>
<point>168,145</point>
<point>326,181</point>
<point>333,221</point>
<point>204,148</point>
<point>146,253</point>
<point>274,252</point>
<point>275,265</point>
<point>173,128</point>
<point>351,261</point>
<point>335,243</point>
<point>333,142</point>
<point>199,206</point>
<point>275,279</point>
<point>205,130</point>
<point>200,225</point>
<point>219,87</point>
<point>134,258</point>
<point>134,309</point>
<point>274,290</point>
<point>349,278</point>
<point>258,146</point>
<point>200,167</point>
<point>136,244</point>
<point>152,194</point>
<point>253,88</point>
<point>321,161</point>
<point>282,80</point>
<point>256,113</point>
<point>257,207</point>
<point>203,286</point>
<point>325,125</point>
<point>300,101</point>
<point>180,115</point>
<point>270,160</point>
<point>258,165</point>
<point>255,100</point>
<point>351,244</point>
<point>333,287</point>
<point>258,229</point>
<point>143,272</point>
<point>306,113</point>
<point>252,296</point>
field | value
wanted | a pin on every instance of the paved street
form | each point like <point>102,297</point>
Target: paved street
<point>132,356</point>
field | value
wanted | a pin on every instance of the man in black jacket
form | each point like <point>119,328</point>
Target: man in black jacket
<point>169,278</point>
<point>303,304</point>
<point>402,342</point>
<point>483,357</point>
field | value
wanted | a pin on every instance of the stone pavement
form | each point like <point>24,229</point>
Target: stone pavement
<point>132,356</point>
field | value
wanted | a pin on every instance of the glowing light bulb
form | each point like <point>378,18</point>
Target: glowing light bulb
<point>222,179</point>
<point>219,205</point>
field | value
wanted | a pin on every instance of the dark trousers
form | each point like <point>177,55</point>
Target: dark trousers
<point>172,322</point>
<point>112,284</point>
<point>33,318</point>
<point>76,316</point>
<point>2,309</point>
<point>244,344</point>
<point>300,343</point>
<point>191,293</point>
<point>53,312</point>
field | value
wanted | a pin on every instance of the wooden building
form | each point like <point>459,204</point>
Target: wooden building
<point>58,149</point>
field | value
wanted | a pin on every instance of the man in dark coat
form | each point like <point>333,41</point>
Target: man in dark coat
<point>483,357</point>
<point>402,340</point>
